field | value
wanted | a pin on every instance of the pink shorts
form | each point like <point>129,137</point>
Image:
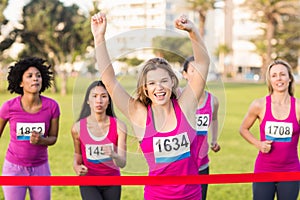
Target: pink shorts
<point>19,192</point>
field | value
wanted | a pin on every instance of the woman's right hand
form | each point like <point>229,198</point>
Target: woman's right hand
<point>80,170</point>
<point>265,146</point>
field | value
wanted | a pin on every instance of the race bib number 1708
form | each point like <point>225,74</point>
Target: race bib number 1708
<point>279,131</point>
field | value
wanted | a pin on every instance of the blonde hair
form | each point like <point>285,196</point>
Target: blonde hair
<point>289,69</point>
<point>150,65</point>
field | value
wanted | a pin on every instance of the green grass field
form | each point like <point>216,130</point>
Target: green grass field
<point>236,155</point>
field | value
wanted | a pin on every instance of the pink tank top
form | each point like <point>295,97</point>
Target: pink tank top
<point>97,163</point>
<point>21,123</point>
<point>171,153</point>
<point>203,119</point>
<point>283,156</point>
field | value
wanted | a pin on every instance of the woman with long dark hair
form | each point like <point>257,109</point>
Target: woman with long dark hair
<point>99,142</point>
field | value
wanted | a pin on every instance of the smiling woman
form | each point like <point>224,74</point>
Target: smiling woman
<point>157,72</point>
<point>278,115</point>
<point>163,123</point>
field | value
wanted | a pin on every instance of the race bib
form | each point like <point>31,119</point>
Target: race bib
<point>172,148</point>
<point>202,124</point>
<point>279,131</point>
<point>24,130</point>
<point>95,154</point>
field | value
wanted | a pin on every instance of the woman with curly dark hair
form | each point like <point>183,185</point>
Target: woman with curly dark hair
<point>34,122</point>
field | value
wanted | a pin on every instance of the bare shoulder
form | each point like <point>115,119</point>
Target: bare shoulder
<point>259,101</point>
<point>257,105</point>
<point>75,130</point>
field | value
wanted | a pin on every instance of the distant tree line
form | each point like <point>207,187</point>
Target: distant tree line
<point>49,29</point>
<point>61,34</point>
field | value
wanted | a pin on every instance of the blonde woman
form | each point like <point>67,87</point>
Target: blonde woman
<point>163,123</point>
<point>278,114</point>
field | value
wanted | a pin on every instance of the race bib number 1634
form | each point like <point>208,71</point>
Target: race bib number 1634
<point>171,148</point>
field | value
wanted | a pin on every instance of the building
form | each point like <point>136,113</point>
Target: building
<point>133,24</point>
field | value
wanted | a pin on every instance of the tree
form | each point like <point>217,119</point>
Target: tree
<point>270,14</point>
<point>288,41</point>
<point>60,34</point>
<point>5,41</point>
<point>3,6</point>
<point>131,61</point>
<point>174,49</point>
<point>202,7</point>
<point>222,51</point>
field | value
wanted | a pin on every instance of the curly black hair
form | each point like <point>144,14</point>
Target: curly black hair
<point>16,72</point>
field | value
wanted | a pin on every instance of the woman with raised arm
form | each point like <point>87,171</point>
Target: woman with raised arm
<point>163,123</point>
<point>207,123</point>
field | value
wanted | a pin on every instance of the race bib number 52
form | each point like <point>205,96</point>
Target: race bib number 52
<point>279,131</point>
<point>172,148</point>
<point>202,124</point>
<point>24,130</point>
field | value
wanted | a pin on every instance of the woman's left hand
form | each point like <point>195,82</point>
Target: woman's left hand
<point>183,23</point>
<point>35,137</point>
<point>107,150</point>
<point>215,147</point>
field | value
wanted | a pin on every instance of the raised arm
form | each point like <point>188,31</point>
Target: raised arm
<point>107,74</point>
<point>196,82</point>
